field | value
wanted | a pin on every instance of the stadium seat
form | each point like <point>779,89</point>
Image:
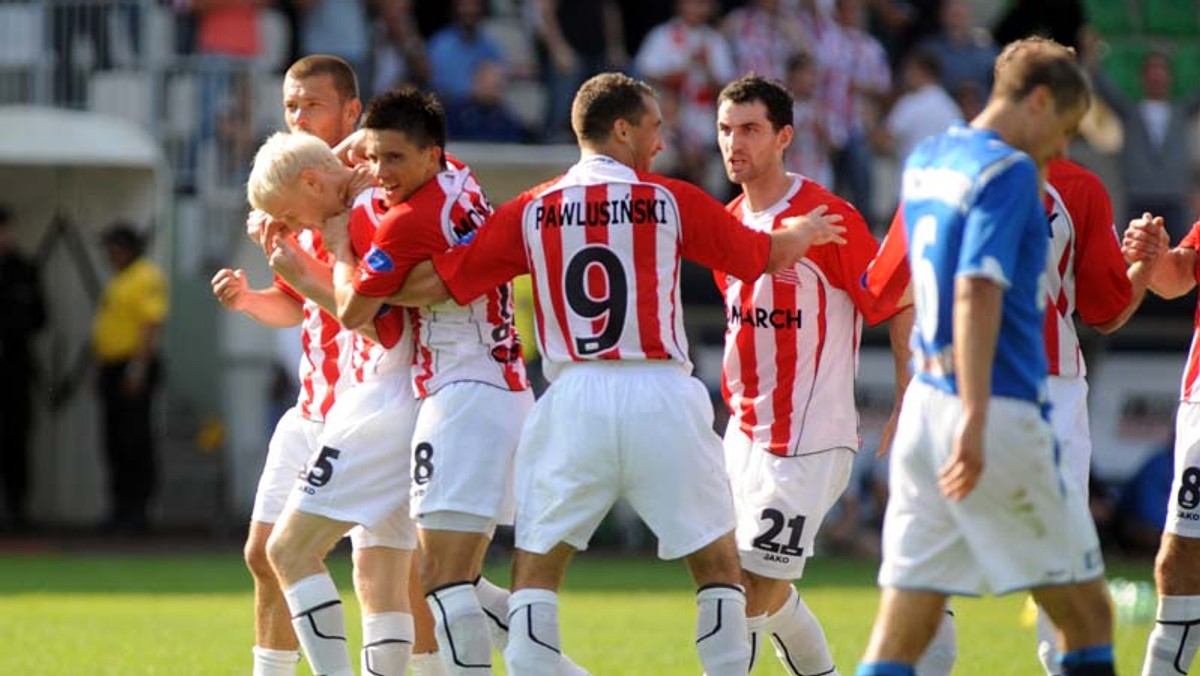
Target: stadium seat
<point>527,100</point>
<point>515,42</point>
<point>1123,66</point>
<point>274,36</point>
<point>1171,17</point>
<point>21,35</point>
<point>1110,17</point>
<point>123,93</point>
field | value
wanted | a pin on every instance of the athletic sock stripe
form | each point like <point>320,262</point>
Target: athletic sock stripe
<point>1187,627</point>
<point>721,585</point>
<point>449,585</point>
<point>494,618</point>
<point>310,611</point>
<point>529,630</point>
<point>753,648</point>
<point>449,635</point>
<point>384,641</point>
<point>313,623</point>
<point>787,656</point>
<point>716,628</point>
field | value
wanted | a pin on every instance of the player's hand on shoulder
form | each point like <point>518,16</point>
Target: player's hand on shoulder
<point>818,226</point>
<point>229,286</point>
<point>1145,239</point>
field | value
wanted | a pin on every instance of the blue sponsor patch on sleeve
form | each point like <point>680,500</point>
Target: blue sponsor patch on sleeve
<point>378,260</point>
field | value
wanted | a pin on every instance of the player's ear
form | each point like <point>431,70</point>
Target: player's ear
<point>785,136</point>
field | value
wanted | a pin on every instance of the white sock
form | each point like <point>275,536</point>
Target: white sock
<point>533,643</point>
<point>317,617</point>
<point>755,626</point>
<point>494,601</point>
<point>799,639</point>
<point>427,664</point>
<point>387,643</point>
<point>268,662</point>
<point>1175,638</point>
<point>1047,643</point>
<point>722,637</point>
<point>941,653</point>
<point>461,629</point>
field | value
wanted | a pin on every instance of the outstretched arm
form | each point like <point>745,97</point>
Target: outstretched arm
<point>269,307</point>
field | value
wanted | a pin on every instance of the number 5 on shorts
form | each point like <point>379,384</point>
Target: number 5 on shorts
<point>322,469</point>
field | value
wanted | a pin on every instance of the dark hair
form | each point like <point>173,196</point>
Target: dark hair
<point>1041,62</point>
<point>604,99</point>
<point>416,114</point>
<point>344,80</point>
<point>752,87</point>
<point>123,236</point>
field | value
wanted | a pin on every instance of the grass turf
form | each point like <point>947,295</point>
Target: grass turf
<point>191,614</point>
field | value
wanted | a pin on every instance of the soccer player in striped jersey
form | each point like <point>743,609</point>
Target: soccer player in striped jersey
<point>320,98</point>
<point>1086,273</point>
<point>622,416</point>
<point>469,377</point>
<point>977,233</point>
<point>791,354</point>
<point>1173,644</point>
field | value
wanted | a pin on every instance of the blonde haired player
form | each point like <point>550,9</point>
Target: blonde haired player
<point>320,98</point>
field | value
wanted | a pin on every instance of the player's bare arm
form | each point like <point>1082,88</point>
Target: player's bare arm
<point>422,287</point>
<point>790,243</point>
<point>977,303</point>
<point>312,278</point>
<point>269,307</point>
<point>353,310</point>
<point>899,331</point>
<point>1152,242</point>
<point>1174,273</point>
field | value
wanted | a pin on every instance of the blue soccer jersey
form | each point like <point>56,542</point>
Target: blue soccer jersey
<point>971,208</point>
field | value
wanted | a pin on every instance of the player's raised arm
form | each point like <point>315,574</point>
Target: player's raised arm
<point>270,307</point>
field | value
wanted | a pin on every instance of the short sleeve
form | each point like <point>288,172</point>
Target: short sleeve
<point>990,242</point>
<point>888,275</point>
<point>1102,287</point>
<point>406,236</point>
<point>281,284</point>
<point>493,257</point>
<point>716,239</point>
<point>847,263</point>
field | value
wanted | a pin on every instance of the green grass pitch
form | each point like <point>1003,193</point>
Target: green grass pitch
<point>186,614</point>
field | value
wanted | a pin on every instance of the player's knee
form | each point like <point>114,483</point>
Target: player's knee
<point>280,553</point>
<point>716,563</point>
<point>1174,566</point>
<point>255,555</point>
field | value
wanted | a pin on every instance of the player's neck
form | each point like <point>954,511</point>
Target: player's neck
<point>763,192</point>
<point>1004,119</point>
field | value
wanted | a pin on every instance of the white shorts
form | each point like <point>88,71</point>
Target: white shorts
<point>639,430</point>
<point>292,443</point>
<point>359,473</point>
<point>1183,504</point>
<point>781,502</point>
<point>1069,418</point>
<point>462,450</point>
<point>1022,526</point>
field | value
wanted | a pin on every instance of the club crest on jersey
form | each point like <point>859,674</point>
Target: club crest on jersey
<point>378,260</point>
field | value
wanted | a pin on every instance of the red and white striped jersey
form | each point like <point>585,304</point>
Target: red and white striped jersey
<point>1191,370</point>
<point>1085,255</point>
<point>392,324</point>
<point>333,358</point>
<point>791,343</point>
<point>474,342</point>
<point>603,244</point>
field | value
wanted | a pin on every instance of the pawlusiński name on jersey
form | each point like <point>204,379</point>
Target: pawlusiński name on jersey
<point>971,209</point>
<point>611,212</point>
<point>606,285</point>
<point>791,347</point>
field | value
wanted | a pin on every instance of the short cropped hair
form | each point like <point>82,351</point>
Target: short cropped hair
<point>1032,62</point>
<point>604,99</point>
<point>415,113</point>
<point>344,80</point>
<point>752,87</point>
<point>279,162</point>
